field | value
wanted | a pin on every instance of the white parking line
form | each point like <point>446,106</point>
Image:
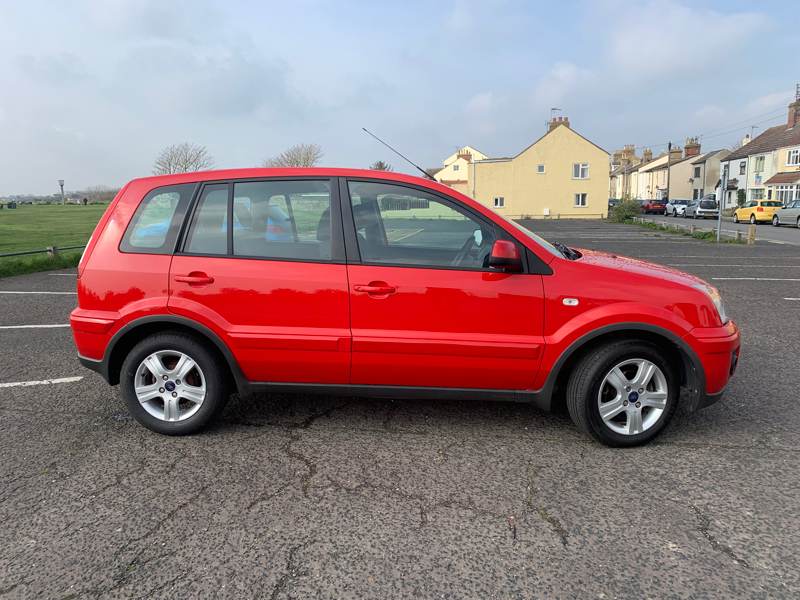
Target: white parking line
<point>794,299</point>
<point>53,293</point>
<point>52,326</point>
<point>754,279</point>
<point>740,265</point>
<point>43,382</point>
<point>63,274</point>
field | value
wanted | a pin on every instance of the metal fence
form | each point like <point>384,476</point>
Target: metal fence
<point>50,251</point>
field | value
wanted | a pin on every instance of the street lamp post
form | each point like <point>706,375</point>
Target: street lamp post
<point>61,185</point>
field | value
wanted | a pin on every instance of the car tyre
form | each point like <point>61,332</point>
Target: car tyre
<point>201,396</point>
<point>735,217</point>
<point>752,219</point>
<point>589,384</point>
<point>776,222</point>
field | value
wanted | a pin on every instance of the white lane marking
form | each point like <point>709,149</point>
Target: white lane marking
<point>43,382</point>
<point>706,256</point>
<point>740,265</point>
<point>794,299</point>
<point>53,293</point>
<point>53,326</point>
<point>63,274</point>
<point>754,279</point>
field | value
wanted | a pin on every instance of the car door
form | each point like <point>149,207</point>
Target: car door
<point>425,311</point>
<point>262,264</point>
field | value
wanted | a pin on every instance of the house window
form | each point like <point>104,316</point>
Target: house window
<point>742,167</point>
<point>787,193</point>
<point>793,157</point>
<point>757,194</point>
<point>499,202</point>
<point>580,200</point>
<point>580,171</point>
<point>758,167</point>
<point>697,171</point>
<point>455,167</point>
<point>540,168</point>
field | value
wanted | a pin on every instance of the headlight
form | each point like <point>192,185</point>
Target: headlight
<point>716,299</point>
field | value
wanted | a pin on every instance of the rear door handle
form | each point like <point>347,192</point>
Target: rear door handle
<point>195,278</point>
<point>376,289</point>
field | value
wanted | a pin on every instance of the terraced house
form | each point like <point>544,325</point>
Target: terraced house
<point>768,167</point>
<point>562,174</point>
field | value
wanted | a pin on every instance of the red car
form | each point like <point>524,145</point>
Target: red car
<point>654,206</point>
<point>197,285</point>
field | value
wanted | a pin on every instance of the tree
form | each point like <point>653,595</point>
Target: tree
<point>379,165</point>
<point>182,158</point>
<point>299,155</point>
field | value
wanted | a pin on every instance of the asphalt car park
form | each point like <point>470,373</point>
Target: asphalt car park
<point>317,496</point>
<point>764,231</point>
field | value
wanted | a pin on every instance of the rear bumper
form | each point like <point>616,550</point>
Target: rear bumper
<point>717,349</point>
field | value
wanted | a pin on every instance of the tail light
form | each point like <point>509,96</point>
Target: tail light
<point>760,209</point>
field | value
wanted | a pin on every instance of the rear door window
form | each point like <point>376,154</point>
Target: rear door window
<point>156,222</point>
<point>208,233</point>
<point>282,220</point>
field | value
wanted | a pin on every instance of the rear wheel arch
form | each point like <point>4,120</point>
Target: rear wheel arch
<point>678,353</point>
<point>134,332</point>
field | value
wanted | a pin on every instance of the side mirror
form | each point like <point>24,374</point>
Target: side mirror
<point>505,257</point>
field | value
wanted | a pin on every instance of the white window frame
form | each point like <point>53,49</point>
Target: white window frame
<point>742,167</point>
<point>793,157</point>
<point>499,202</point>
<point>540,169</point>
<point>581,200</point>
<point>582,170</point>
<point>455,167</point>
<point>758,164</point>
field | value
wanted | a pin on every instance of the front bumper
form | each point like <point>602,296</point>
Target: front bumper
<point>717,349</point>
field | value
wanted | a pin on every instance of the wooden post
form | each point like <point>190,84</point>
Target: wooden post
<point>751,234</point>
<point>52,251</point>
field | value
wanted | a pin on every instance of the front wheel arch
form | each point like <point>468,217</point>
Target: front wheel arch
<point>685,361</point>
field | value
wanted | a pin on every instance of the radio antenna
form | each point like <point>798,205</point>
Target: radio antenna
<point>405,158</point>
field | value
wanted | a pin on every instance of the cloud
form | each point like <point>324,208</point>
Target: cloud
<point>480,103</point>
<point>664,38</point>
<point>561,81</point>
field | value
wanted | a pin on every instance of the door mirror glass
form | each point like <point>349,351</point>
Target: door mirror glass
<point>505,257</point>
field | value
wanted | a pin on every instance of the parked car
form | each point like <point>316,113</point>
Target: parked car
<point>704,208</point>
<point>612,202</point>
<point>675,207</point>
<point>788,215</point>
<point>654,206</point>
<point>435,296</point>
<point>757,211</point>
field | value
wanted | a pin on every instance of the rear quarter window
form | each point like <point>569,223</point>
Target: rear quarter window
<point>155,224</point>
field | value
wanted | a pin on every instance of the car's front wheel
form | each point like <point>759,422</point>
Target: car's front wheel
<point>623,393</point>
<point>173,384</point>
<point>776,222</point>
<point>752,219</point>
<point>735,217</point>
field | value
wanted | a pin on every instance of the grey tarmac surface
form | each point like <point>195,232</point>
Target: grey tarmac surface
<point>322,497</point>
<point>765,232</point>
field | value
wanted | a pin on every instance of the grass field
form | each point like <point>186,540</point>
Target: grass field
<point>37,226</point>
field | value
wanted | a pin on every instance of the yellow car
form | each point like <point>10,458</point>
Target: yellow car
<point>757,211</point>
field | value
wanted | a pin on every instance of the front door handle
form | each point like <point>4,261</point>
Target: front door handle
<point>376,288</point>
<point>195,278</point>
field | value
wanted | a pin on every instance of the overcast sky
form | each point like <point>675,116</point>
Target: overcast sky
<point>92,90</point>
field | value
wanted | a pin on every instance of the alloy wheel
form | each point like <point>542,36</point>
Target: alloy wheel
<point>170,385</point>
<point>632,396</point>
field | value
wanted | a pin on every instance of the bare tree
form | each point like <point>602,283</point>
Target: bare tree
<point>182,158</point>
<point>379,165</point>
<point>100,193</point>
<point>299,155</point>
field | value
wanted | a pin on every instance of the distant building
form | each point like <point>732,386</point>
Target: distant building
<point>768,167</point>
<point>562,174</point>
<point>456,168</point>
<point>623,163</point>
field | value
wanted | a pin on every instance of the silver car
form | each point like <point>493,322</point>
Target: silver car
<point>788,215</point>
<point>675,207</point>
<point>704,208</point>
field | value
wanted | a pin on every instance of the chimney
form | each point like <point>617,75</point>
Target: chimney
<point>555,122</point>
<point>465,154</point>
<point>692,147</point>
<point>647,155</point>
<point>675,154</point>
<point>794,114</point>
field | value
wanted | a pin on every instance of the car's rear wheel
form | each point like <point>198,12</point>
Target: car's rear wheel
<point>752,219</point>
<point>776,222</point>
<point>735,217</point>
<point>172,384</point>
<point>798,222</point>
<point>623,393</point>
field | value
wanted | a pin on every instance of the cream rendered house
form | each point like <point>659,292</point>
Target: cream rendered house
<point>562,174</point>
<point>456,169</point>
